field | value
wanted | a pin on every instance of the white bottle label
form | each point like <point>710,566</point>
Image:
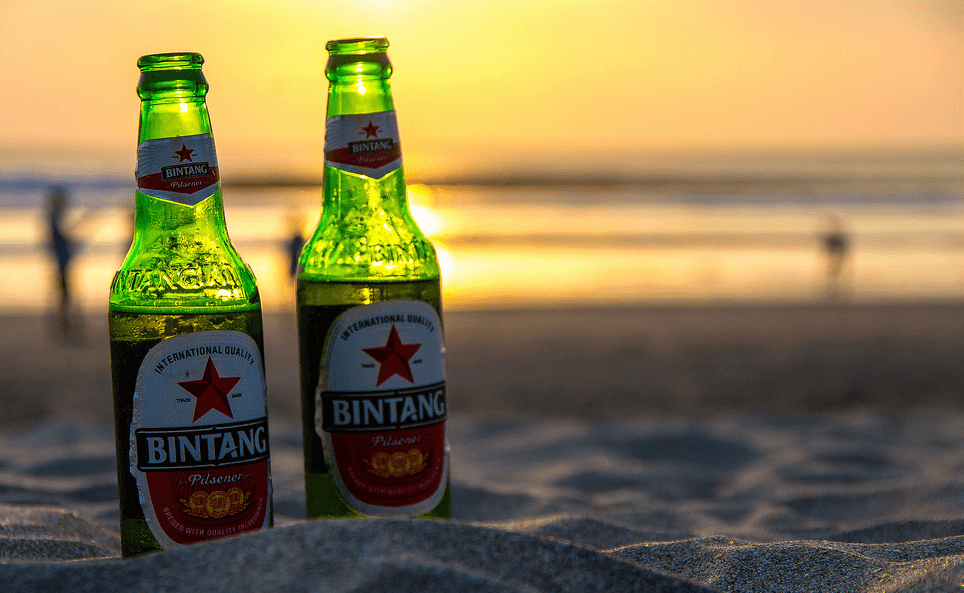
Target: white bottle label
<point>199,437</point>
<point>365,144</point>
<point>381,408</point>
<point>183,169</point>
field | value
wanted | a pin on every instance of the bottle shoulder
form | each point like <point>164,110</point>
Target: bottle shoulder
<point>182,271</point>
<point>378,249</point>
<point>367,232</point>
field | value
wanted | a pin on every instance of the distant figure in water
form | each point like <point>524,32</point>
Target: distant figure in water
<point>62,249</point>
<point>836,245</point>
<point>294,243</point>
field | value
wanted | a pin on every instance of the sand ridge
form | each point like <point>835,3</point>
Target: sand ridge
<point>755,502</point>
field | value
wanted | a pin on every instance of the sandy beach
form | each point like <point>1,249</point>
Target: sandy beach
<point>813,447</point>
<point>606,362</point>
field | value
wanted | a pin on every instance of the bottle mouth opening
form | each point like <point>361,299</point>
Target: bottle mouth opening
<point>357,46</point>
<point>170,61</point>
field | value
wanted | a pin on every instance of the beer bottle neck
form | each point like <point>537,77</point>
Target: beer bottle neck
<point>170,117</point>
<point>358,71</point>
<point>178,118</point>
<point>360,106</point>
<point>172,89</point>
<point>370,97</point>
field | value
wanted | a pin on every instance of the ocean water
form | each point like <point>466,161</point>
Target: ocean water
<point>505,242</point>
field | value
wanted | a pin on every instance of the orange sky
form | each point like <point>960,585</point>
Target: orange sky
<point>477,78</point>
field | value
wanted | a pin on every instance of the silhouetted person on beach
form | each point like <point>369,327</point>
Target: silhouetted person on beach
<point>836,245</point>
<point>294,243</point>
<point>62,249</point>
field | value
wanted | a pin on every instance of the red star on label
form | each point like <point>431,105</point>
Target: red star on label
<point>185,153</point>
<point>371,130</point>
<point>394,357</point>
<point>211,391</point>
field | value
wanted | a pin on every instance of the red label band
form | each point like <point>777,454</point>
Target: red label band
<point>187,184</point>
<point>193,506</point>
<point>395,468</point>
<point>370,160</point>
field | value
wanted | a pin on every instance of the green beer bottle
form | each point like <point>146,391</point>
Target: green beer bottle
<point>186,338</point>
<point>369,315</point>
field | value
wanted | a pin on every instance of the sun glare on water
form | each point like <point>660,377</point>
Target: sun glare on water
<point>421,203</point>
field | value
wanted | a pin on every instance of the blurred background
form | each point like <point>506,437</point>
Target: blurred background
<point>641,206</point>
<point>559,153</point>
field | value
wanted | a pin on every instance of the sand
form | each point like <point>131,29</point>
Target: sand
<point>600,363</point>
<point>809,448</point>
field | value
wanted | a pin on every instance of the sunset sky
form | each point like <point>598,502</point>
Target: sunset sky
<point>478,80</point>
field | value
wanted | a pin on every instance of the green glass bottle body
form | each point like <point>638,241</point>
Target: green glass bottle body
<point>186,336</point>
<point>369,313</point>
